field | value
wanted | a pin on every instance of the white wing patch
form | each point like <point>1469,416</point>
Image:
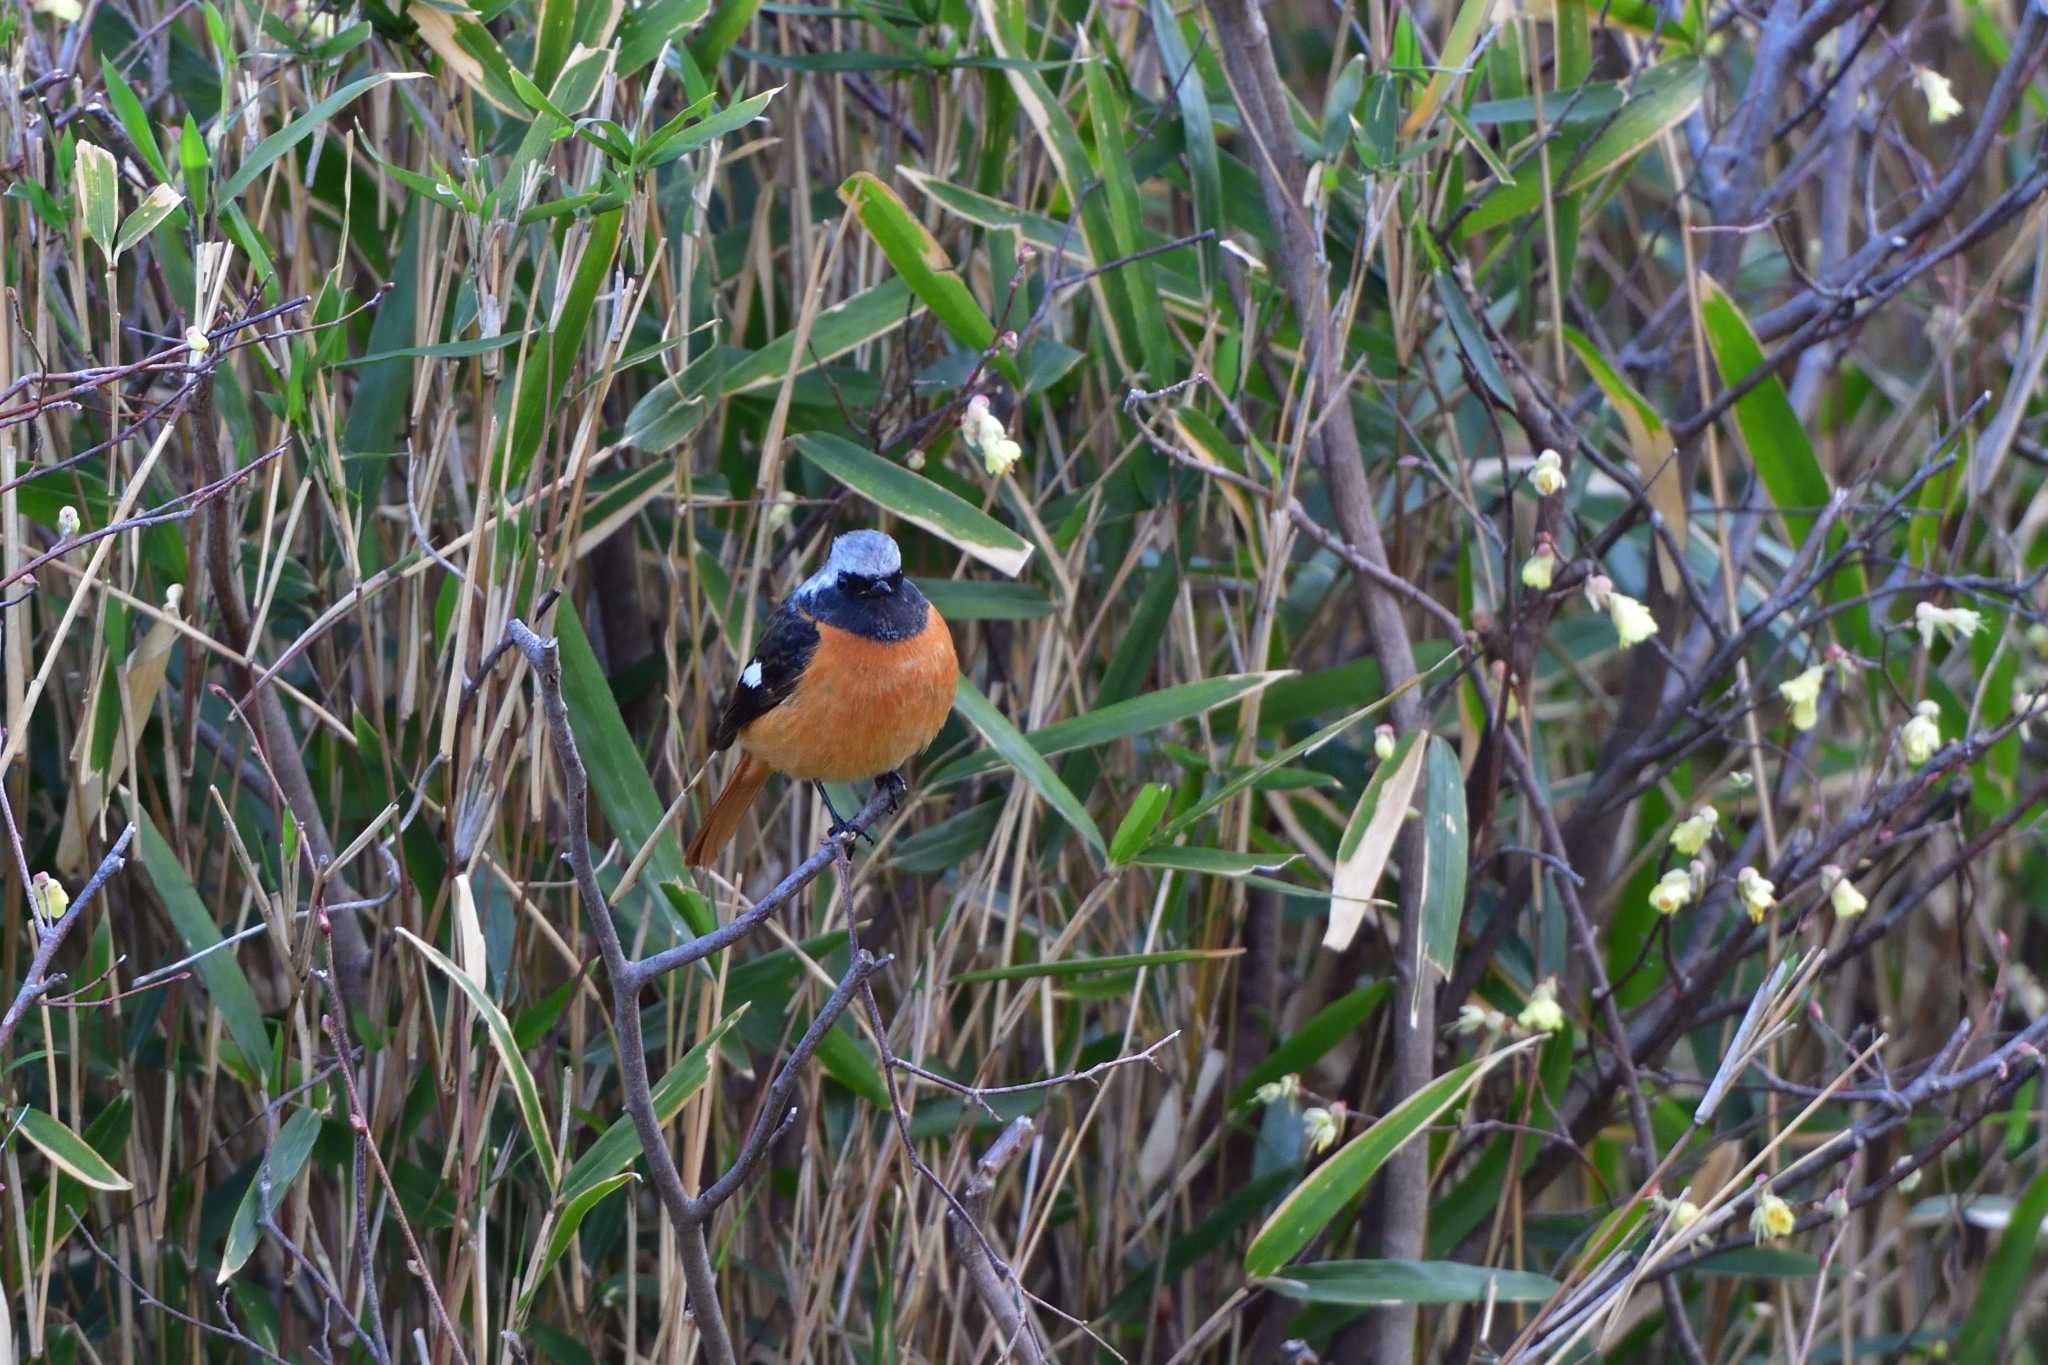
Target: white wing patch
<point>752,676</point>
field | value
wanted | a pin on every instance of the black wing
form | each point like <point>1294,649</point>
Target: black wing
<point>771,675</point>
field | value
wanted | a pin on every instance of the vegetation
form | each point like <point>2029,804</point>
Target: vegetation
<point>1490,814</point>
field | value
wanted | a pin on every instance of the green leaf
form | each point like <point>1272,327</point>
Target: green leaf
<point>1777,441</point>
<point>1212,862</point>
<point>970,599</point>
<point>643,32</point>
<point>1366,1284</point>
<point>846,1060</point>
<point>524,1092</point>
<point>923,265</point>
<point>868,316</point>
<point>562,1233</point>
<point>618,777</point>
<point>1665,96</point>
<point>299,129</point>
<point>219,972</point>
<point>135,120</point>
<point>1445,850</point>
<point>556,34</point>
<point>1317,1200</point>
<point>1649,441</point>
<point>161,203</point>
<point>1198,126</point>
<point>545,373</point>
<point>727,24</point>
<point>1147,809</point>
<point>1330,1026</point>
<point>1109,117</point>
<point>1369,836</point>
<point>1120,720</point>
<point>619,1144</point>
<point>99,194</point>
<point>995,727</point>
<point>918,500</point>
<point>670,145</point>
<point>67,1151</point>
<point>1457,47</point>
<point>2006,1278</point>
<point>1083,966</point>
<point>1470,338</point>
<point>286,1157</point>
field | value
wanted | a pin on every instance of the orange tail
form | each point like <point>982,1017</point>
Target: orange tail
<point>728,810</point>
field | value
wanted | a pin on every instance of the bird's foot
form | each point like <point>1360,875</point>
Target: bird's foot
<point>841,828</point>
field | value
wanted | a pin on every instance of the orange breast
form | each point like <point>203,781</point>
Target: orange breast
<point>862,708</point>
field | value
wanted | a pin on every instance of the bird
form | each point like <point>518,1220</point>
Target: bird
<point>853,677</point>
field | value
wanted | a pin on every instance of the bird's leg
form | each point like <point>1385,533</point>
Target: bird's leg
<point>892,784</point>
<point>840,824</point>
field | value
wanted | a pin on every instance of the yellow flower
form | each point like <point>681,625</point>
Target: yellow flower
<point>1803,693</point>
<point>1538,569</point>
<point>1320,1129</point>
<point>1547,476</point>
<point>1694,831</point>
<point>1920,737</point>
<point>1383,742</point>
<point>1773,1218</point>
<point>48,898</point>
<point>1842,893</point>
<point>1949,622</point>
<point>1685,1215</point>
<point>1758,893</point>
<point>1542,1014</point>
<point>983,431</point>
<point>67,522</point>
<point>1273,1092</point>
<point>1480,1019</point>
<point>1671,892</point>
<point>195,338</point>
<point>1632,620</point>
<point>1942,104</point>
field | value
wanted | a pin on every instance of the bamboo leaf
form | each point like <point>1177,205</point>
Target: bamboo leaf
<point>923,265</point>
<point>1778,442</point>
<point>1318,1199</point>
<point>1008,741</point>
<point>1369,837</point>
<point>918,500</point>
<point>219,972</point>
<point>1083,966</point>
<point>1649,440</point>
<point>299,129</point>
<point>67,1151</point>
<point>286,1157</point>
<point>525,1093</point>
<point>1120,720</point>
<point>615,1149</point>
<point>1444,851</point>
<point>562,1232</point>
<point>1366,1284</point>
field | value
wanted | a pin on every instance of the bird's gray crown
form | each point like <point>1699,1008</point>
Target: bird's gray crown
<point>870,554</point>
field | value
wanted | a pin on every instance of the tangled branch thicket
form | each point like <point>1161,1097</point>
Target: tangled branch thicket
<point>1491,814</point>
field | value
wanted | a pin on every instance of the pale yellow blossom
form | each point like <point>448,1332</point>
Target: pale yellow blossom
<point>1671,892</point>
<point>1949,622</point>
<point>1542,1014</point>
<point>1692,833</point>
<point>1547,476</point>
<point>1383,742</point>
<point>1538,569</point>
<point>1632,620</point>
<point>1920,737</point>
<point>1773,1218</point>
<point>1842,893</point>
<point>1942,104</point>
<point>1759,893</point>
<point>1320,1129</point>
<point>1803,694</point>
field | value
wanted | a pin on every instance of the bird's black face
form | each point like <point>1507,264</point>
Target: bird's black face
<point>857,585</point>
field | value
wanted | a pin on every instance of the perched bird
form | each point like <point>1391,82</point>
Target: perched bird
<point>852,678</point>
